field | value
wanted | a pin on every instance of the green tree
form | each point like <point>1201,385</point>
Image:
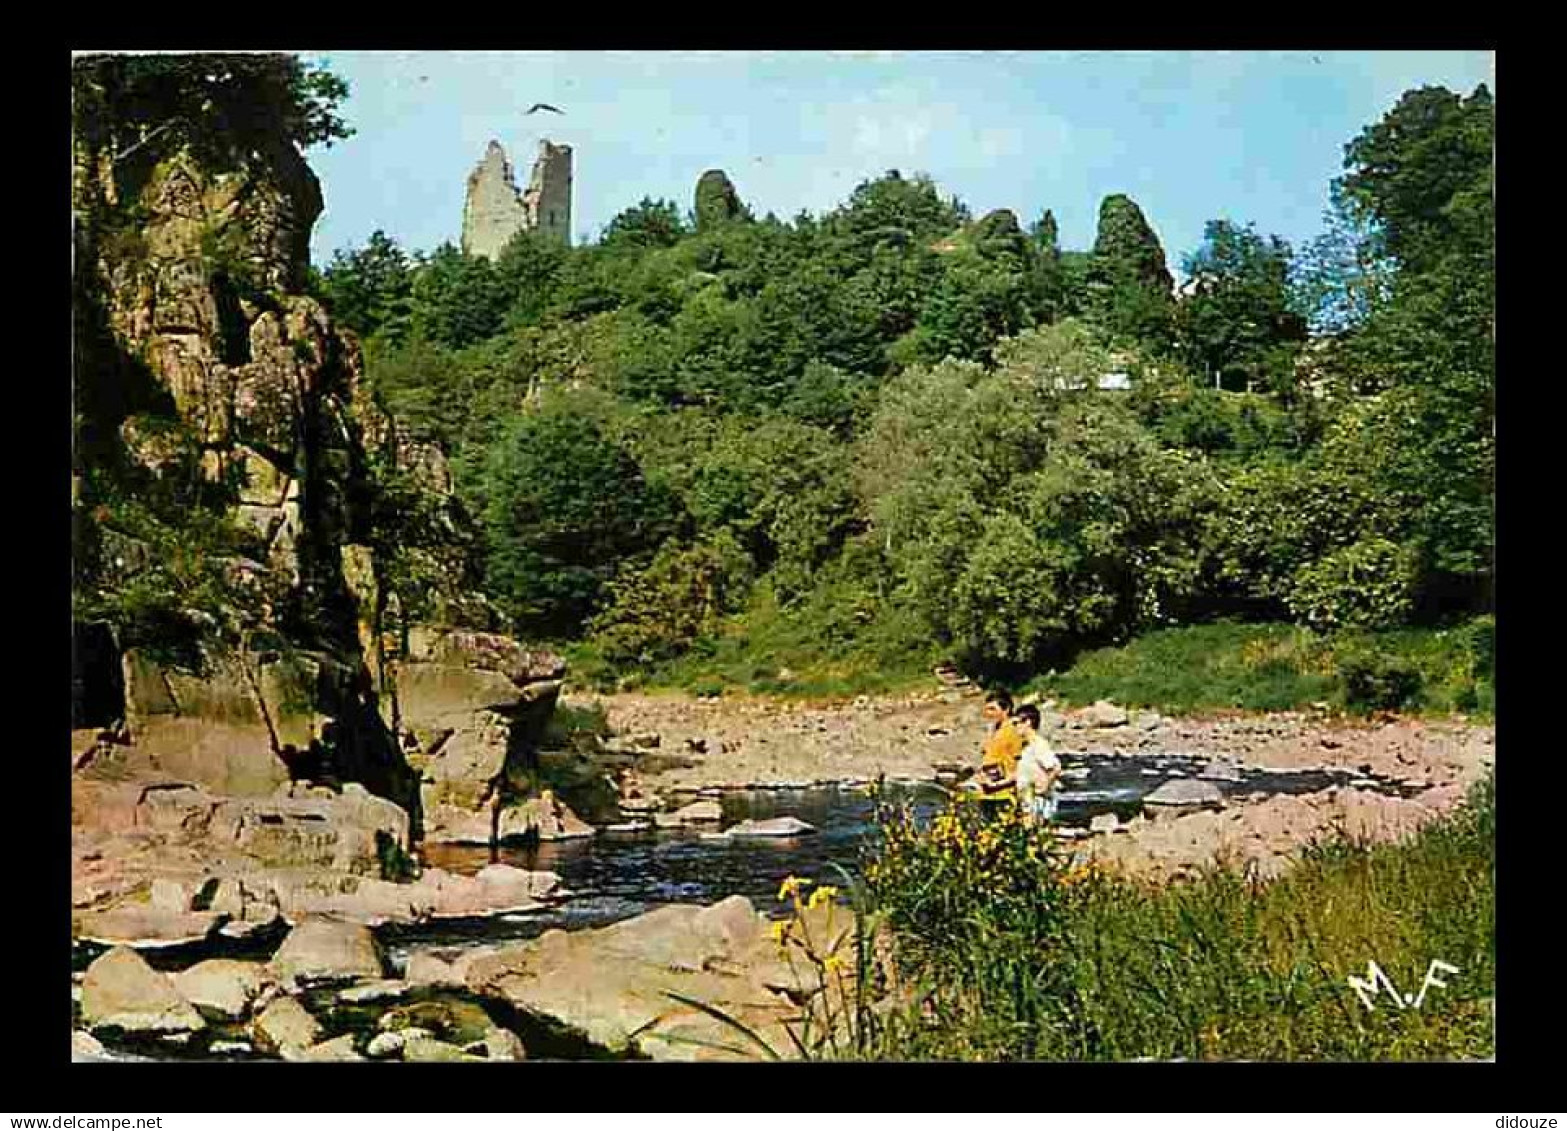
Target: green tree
<point>217,105</point>
<point>977,302</point>
<point>1423,177</point>
<point>1339,277</point>
<point>650,223</point>
<point>1049,274</point>
<point>892,208</point>
<point>1237,317</point>
<point>564,508</point>
<point>526,276</point>
<point>457,299</point>
<point>1424,174</point>
<point>370,289</point>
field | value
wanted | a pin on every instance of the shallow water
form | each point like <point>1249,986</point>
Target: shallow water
<point>615,876</point>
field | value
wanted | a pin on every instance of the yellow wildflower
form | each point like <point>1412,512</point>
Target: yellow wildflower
<point>833,963</point>
<point>780,930</point>
<point>791,886</point>
<point>820,896</point>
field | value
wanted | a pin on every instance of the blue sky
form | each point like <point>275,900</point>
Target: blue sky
<point>1251,136</point>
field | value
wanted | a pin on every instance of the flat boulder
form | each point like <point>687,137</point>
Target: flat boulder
<point>328,950</point>
<point>317,830</point>
<point>143,925</point>
<point>120,991</point>
<point>769,827</point>
<point>699,812</point>
<point>222,988</point>
<point>1185,793</point>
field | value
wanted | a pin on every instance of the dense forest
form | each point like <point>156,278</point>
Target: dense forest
<point>915,435</point>
<point>896,434</point>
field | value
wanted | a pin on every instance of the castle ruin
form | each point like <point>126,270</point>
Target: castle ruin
<point>494,211</point>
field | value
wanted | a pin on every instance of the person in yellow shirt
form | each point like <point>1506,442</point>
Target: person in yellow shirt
<point>998,762</point>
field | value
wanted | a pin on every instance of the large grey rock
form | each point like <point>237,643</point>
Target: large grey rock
<point>120,991</point>
<point>327,950</point>
<point>770,827</point>
<point>223,988</point>
<point>332,831</point>
<point>1183,793</point>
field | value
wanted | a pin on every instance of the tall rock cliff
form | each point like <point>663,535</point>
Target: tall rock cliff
<point>224,436</point>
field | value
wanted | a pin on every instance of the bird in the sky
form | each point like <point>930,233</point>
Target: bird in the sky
<point>537,106</point>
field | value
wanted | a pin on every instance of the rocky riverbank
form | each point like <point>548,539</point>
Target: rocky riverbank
<point>710,743</point>
<point>164,867</point>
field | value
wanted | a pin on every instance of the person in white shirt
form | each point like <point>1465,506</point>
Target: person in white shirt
<point>1038,768</point>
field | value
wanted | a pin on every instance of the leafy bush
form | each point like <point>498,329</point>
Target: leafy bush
<point>655,613</point>
<point>1373,680</point>
<point>1369,584</point>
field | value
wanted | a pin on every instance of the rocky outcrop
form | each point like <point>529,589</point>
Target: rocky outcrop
<point>716,201</point>
<point>476,706</point>
<point>212,389</point>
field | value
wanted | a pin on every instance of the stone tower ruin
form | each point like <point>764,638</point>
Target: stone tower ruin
<point>494,211</point>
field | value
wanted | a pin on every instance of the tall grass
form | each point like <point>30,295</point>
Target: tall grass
<point>1274,667</point>
<point>1044,961</point>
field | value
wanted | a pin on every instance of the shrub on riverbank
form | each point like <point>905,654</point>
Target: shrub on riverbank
<point>1082,965</point>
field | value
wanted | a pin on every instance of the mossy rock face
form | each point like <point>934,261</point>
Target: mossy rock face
<point>452,1020</point>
